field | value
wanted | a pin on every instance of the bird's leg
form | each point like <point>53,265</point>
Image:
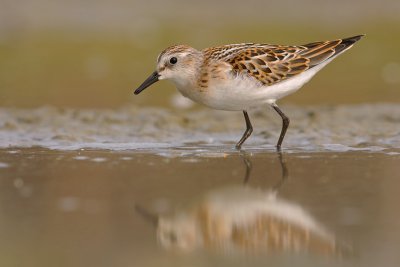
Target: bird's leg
<point>247,133</point>
<point>285,125</point>
<point>285,172</point>
<point>249,165</point>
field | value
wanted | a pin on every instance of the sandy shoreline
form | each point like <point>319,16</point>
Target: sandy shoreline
<point>373,127</point>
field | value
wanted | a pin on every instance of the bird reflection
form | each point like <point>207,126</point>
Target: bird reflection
<point>249,167</point>
<point>246,219</point>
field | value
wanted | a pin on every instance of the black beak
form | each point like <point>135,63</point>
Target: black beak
<point>149,81</point>
<point>150,217</point>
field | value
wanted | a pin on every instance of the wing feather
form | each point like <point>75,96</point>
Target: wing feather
<point>270,64</point>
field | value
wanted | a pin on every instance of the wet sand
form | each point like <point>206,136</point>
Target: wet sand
<point>134,187</point>
<point>368,127</point>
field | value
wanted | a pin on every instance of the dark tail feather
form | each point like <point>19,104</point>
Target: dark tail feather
<point>347,43</point>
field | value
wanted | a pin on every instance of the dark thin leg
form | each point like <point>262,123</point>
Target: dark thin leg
<point>285,125</point>
<point>249,166</point>
<point>285,172</point>
<point>247,133</point>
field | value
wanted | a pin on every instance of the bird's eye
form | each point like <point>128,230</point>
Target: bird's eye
<point>173,60</point>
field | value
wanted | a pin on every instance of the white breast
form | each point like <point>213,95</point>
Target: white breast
<point>242,93</point>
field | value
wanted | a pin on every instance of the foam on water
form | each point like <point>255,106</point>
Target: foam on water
<point>371,127</point>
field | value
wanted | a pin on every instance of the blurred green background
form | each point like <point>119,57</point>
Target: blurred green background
<point>94,53</point>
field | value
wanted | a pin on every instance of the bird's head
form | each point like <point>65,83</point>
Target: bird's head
<point>178,63</point>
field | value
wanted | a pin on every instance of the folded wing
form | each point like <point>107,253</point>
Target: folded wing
<point>271,64</point>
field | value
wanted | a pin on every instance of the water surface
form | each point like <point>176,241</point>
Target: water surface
<point>220,208</point>
<point>148,187</point>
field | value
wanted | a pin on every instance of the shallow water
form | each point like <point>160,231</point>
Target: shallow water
<point>108,208</point>
<point>79,188</point>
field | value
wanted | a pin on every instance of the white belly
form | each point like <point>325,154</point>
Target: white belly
<point>242,93</point>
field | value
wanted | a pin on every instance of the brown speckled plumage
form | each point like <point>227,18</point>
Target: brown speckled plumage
<point>271,64</point>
